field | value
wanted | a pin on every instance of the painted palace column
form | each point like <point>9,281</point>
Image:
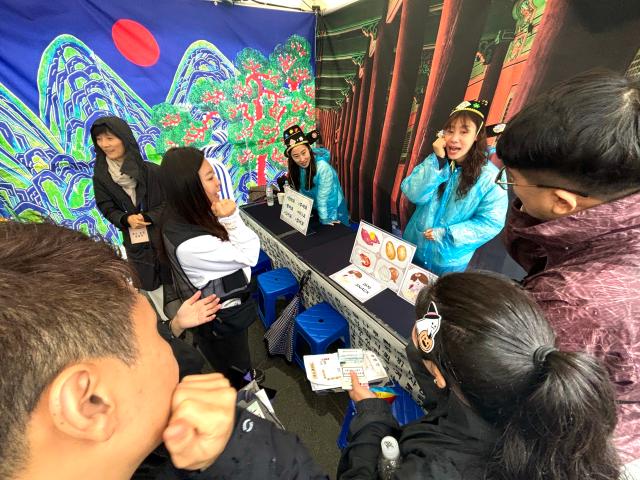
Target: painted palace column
<point>461,26</point>
<point>405,74</point>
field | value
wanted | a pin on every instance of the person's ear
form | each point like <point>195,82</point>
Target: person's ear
<point>435,372</point>
<point>564,203</point>
<point>81,406</point>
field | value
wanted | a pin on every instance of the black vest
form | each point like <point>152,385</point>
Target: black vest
<point>234,285</point>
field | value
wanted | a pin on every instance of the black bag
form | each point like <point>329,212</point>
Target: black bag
<point>230,320</point>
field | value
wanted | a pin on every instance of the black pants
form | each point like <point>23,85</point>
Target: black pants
<point>226,346</point>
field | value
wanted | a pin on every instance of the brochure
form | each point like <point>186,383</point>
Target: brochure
<point>331,371</point>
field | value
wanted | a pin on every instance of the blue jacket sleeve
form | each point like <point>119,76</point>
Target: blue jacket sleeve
<point>424,180</point>
<point>325,203</point>
<point>486,222</point>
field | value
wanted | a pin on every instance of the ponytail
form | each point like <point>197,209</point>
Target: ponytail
<point>555,411</point>
<point>563,428</point>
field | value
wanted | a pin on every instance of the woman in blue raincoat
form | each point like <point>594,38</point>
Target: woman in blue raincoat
<point>459,206</point>
<point>311,173</point>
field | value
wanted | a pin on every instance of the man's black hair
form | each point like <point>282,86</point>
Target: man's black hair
<point>585,130</point>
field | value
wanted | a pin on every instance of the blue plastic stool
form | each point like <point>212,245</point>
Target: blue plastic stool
<point>319,327</point>
<point>263,265</point>
<point>271,286</point>
<point>404,409</point>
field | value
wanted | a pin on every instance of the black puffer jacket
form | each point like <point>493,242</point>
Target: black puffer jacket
<point>116,205</point>
<point>257,450</point>
<point>452,442</point>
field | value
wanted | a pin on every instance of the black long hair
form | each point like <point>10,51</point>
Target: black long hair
<point>556,412</point>
<point>186,198</point>
<point>476,158</point>
<point>294,170</point>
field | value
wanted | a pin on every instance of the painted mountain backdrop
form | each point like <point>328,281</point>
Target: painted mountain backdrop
<point>234,111</point>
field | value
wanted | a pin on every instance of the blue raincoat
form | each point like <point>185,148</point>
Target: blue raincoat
<point>461,224</point>
<point>328,198</point>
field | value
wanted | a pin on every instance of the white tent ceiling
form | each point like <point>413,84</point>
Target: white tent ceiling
<point>326,6</point>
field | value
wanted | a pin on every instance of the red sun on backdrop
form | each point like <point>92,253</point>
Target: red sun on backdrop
<point>135,42</point>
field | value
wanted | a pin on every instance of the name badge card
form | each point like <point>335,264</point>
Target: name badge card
<point>296,210</point>
<point>139,235</point>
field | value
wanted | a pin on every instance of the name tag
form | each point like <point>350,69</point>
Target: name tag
<point>138,235</point>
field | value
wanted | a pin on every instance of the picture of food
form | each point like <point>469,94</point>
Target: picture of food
<point>394,274</point>
<point>370,238</point>
<point>366,262</point>
<point>383,273</point>
<point>351,277</point>
<point>390,250</point>
<point>402,253</point>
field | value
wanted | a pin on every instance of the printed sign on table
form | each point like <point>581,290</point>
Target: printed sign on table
<point>296,210</point>
<point>415,279</point>
<point>382,255</point>
<point>357,283</point>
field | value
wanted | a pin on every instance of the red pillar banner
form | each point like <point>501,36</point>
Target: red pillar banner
<point>354,161</point>
<point>574,37</point>
<point>338,135</point>
<point>344,131</point>
<point>349,147</point>
<point>376,106</point>
<point>459,32</point>
<point>403,83</point>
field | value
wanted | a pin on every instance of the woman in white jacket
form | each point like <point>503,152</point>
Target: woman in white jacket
<point>210,248</point>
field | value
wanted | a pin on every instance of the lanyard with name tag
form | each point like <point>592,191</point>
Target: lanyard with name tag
<point>139,235</point>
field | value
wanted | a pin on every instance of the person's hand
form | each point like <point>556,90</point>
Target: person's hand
<point>202,419</point>
<point>358,392</point>
<point>194,312</point>
<point>433,234</point>
<point>223,208</point>
<point>137,221</point>
<point>438,147</point>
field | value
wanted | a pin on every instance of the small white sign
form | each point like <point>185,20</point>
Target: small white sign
<point>357,283</point>
<point>296,210</point>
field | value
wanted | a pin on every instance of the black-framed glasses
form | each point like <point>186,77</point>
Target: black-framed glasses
<point>505,184</point>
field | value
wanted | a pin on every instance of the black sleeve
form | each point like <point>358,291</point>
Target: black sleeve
<point>155,195</point>
<point>260,450</point>
<point>371,424</point>
<point>108,207</point>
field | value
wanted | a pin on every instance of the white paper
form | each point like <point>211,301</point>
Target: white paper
<point>357,283</point>
<point>331,371</point>
<point>296,210</point>
<point>351,360</point>
<point>323,370</point>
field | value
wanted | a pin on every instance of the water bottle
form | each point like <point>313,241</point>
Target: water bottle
<point>389,458</point>
<point>269,193</point>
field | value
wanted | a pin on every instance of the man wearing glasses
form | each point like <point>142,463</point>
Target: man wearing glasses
<point>572,157</point>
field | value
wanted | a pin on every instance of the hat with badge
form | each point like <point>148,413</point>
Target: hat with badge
<point>479,107</point>
<point>294,136</point>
